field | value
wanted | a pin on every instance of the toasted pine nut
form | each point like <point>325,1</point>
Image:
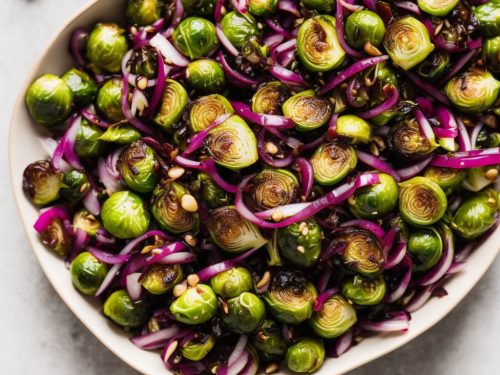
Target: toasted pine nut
<point>189,203</point>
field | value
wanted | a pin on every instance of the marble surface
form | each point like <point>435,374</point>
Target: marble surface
<point>40,334</point>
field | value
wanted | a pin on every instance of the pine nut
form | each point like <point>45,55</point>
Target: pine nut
<point>188,202</point>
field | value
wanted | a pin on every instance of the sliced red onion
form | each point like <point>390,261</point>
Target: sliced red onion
<point>321,299</point>
<point>377,163</point>
<point>462,254</point>
<point>428,88</point>
<point>230,48</point>
<point>395,324</point>
<point>107,257</point>
<point>405,281</point>
<point>468,159</point>
<point>126,109</point>
<point>315,144</point>
<point>395,257</point>
<point>80,241</point>
<point>371,4</point>
<point>290,7</point>
<point>102,236</point>
<point>274,121</point>
<point>286,46</point>
<point>475,134</point>
<point>251,368</point>
<point>414,169</point>
<point>420,298</point>
<point>459,64</point>
<point>273,40</point>
<point>368,225</point>
<point>425,105</point>
<point>306,177</point>
<point>456,267</point>
<point>218,10</point>
<point>169,52</point>
<point>409,6</point>
<point>69,144</point>
<point>155,340</point>
<point>288,77</point>
<point>178,258</point>
<point>342,344</point>
<point>339,25</point>
<point>325,277</point>
<point>238,350</point>
<point>164,252</point>
<point>197,141</point>
<point>159,87</point>
<point>287,210</point>
<point>91,201</point>
<point>388,241</point>
<point>107,170</point>
<point>463,136</point>
<point>47,216</point>
<point>94,119</point>
<point>277,28</point>
<point>332,249</point>
<point>266,158</point>
<point>287,332</point>
<point>176,18</point>
<point>392,98</point>
<point>331,132</point>
<point>210,271</point>
<point>348,4</point>
<point>425,126</point>
<point>445,133</point>
<point>446,118</point>
<point>134,287</point>
<point>233,73</point>
<point>77,44</point>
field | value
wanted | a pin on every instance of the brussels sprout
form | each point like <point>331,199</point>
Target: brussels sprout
<point>144,62</point>
<point>269,340</point>
<point>206,75</point>
<point>305,355</point>
<point>363,27</point>
<point>255,51</point>
<point>232,283</point>
<point>290,296</point>
<point>88,142</point>
<point>82,86</point>
<point>318,46</point>
<point>199,7</point>
<point>76,186</point>
<point>244,313</point>
<point>206,109</point>
<point>272,188</point>
<point>447,178</point>
<point>160,278</point>
<point>324,6</point>
<point>477,179</point>
<point>210,192</point>
<point>435,65</point>
<point>437,7</point>
<point>421,201</point>
<point>49,100</point>
<point>476,214</point>
<point>488,15</point>
<point>473,91</point>
<point>354,128</point>
<point>121,310</point>
<point>232,144</point>
<point>269,98</point>
<point>138,167</point>
<point>173,102</point>
<point>231,232</point>
<point>123,134</point>
<point>407,42</point>
<point>195,37</point>
<point>406,140</point>
<point>144,12</point>
<point>57,238</point>
<point>85,221</point>
<point>335,317</point>
<point>364,253</point>
<point>332,162</point>
<point>300,243</point>
<point>487,138</point>
<point>109,100</point>
<point>375,201</point>
<point>262,7</point>
<point>167,208</point>
<point>42,182</point>
<point>106,47</point>
<point>238,28</point>
<point>425,247</point>
<point>124,215</point>
<point>307,110</point>
<point>87,273</point>
<point>199,347</point>
<point>364,292</point>
<point>195,306</point>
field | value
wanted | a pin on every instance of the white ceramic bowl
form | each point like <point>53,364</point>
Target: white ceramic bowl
<point>25,147</point>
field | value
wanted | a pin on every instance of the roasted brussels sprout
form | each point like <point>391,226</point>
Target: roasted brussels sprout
<point>124,215</point>
<point>57,238</point>
<point>87,273</point>
<point>421,201</point>
<point>425,246</point>
<point>76,186</point>
<point>231,232</point>
<point>477,179</point>
<point>491,54</point>
<point>406,140</point>
<point>272,188</point>
<point>335,317</point>
<point>85,221</point>
<point>269,98</point>
<point>305,355</point>
<point>290,296</point>
<point>168,209</point>
<point>88,143</point>
<point>375,201</point>
<point>206,109</point>
<point>364,26</point>
<point>364,292</point>
<point>206,76</point>
<point>106,46</point>
<point>269,340</point>
<point>447,178</point>
<point>196,305</point>
<point>307,110</point>
<point>122,134</point>
<point>173,102</point>
<point>473,91</point>
<point>244,313</point>
<point>488,15</point>
<point>407,42</point>
<point>435,65</point>
<point>195,37</point>
<point>354,128</point>
<point>262,7</point>
<point>160,278</point>
<point>487,138</point>
<point>109,100</point>
<point>324,6</point>
<point>199,347</point>
<point>49,100</point>
<point>332,162</point>
<point>121,310</point>
<point>138,167</point>
<point>238,28</point>
<point>300,243</point>
<point>144,62</point>
<point>232,283</point>
<point>437,7</point>
<point>255,51</point>
<point>210,192</point>
<point>42,183</point>
<point>144,12</point>
<point>82,86</point>
<point>199,7</point>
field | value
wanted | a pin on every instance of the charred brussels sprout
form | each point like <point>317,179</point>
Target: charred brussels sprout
<point>305,355</point>
<point>269,340</point>
<point>160,278</point>
<point>206,109</point>
<point>272,188</point>
<point>473,91</point>
<point>406,140</point>
<point>363,27</point>
<point>144,62</point>
<point>262,7</point>
<point>106,47</point>
<point>49,100</point>
<point>82,86</point>
<point>335,317</point>
<point>42,182</point>
<point>210,192</point>
<point>206,75</point>
<point>425,246</point>
<point>138,167</point>
<point>318,46</point>
<point>290,296</point>
<point>354,128</point>
<point>232,283</point>
<point>57,238</point>
<point>120,308</point>
<point>324,6</point>
<point>85,221</point>
<point>87,273</point>
<point>488,15</point>
<point>195,37</point>
<point>238,28</point>
<point>421,201</point>
<point>307,110</point>
<point>491,54</point>
<point>231,232</point>
<point>364,292</point>
<point>124,215</point>
<point>144,12</point>
<point>269,98</point>
<point>407,42</point>
<point>76,186</point>
<point>435,65</point>
<point>437,7</point>
<point>109,100</point>
<point>487,138</point>
<point>375,201</point>
<point>199,347</point>
<point>167,209</point>
<point>196,305</point>
<point>173,102</point>
<point>199,7</point>
<point>122,134</point>
<point>300,243</point>
<point>447,178</point>
<point>332,162</point>
<point>244,313</point>
<point>88,142</point>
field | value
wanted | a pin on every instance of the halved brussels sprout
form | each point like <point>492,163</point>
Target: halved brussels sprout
<point>199,347</point>
<point>85,221</point>
<point>231,232</point>
<point>144,62</point>
<point>206,109</point>
<point>305,355</point>
<point>109,100</point>
<point>300,243</point>
<point>57,238</point>
<point>124,215</point>
<point>76,186</point>
<point>272,188</point>
<point>49,100</point>
<point>407,42</point>
<point>354,128</point>
<point>332,162</point>
<point>88,142</point>
<point>425,247</point>
<point>120,309</point>
<point>476,179</point>
<point>364,292</point>
<point>437,7</point>
<point>87,273</point>
<point>195,37</point>
<point>435,65</point>
<point>244,314</point>
<point>238,28</point>
<point>232,144</point>
<point>42,183</point>
<point>290,296</point>
<point>491,54</point>
<point>199,7</point>
<point>488,15</point>
<point>206,75</point>
<point>173,102</point>
<point>82,86</point>
<point>166,207</point>
<point>421,201</point>
<point>269,340</point>
<point>106,46</point>
<point>406,140</point>
<point>375,201</point>
<point>318,46</point>
<point>447,178</point>
<point>232,283</point>
<point>324,6</point>
<point>307,110</point>
<point>262,7</point>
<point>123,134</point>
<point>364,26</point>
<point>160,278</point>
<point>138,167</point>
<point>210,192</point>
<point>473,91</point>
<point>269,98</point>
<point>196,305</point>
<point>144,12</point>
<point>335,317</point>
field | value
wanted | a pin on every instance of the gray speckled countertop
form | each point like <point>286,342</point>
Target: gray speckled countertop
<point>41,336</point>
